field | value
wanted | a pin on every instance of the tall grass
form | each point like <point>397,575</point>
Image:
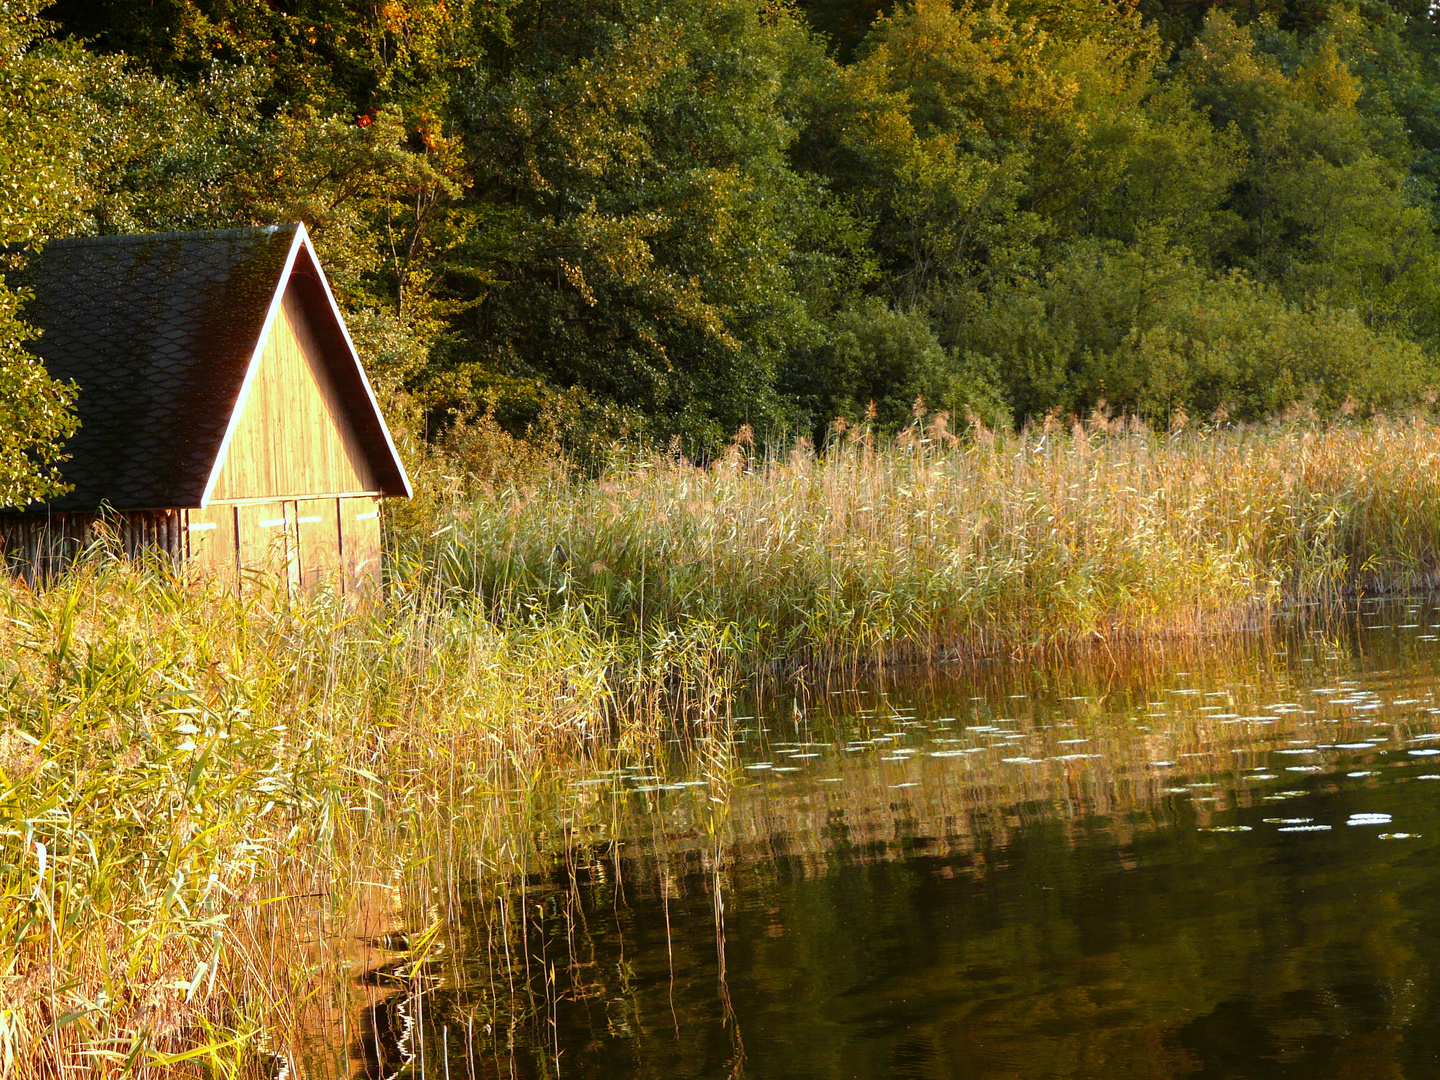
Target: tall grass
<point>203,797</point>
<point>214,807</point>
<point>934,546</point>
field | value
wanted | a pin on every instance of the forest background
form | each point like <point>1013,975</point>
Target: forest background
<point>600,219</point>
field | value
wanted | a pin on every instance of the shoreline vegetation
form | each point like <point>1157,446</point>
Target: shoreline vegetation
<point>936,546</point>
<point>648,223</point>
<point>213,808</point>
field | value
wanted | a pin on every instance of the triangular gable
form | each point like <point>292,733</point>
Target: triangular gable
<point>303,280</point>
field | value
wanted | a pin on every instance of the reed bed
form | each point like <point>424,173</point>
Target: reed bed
<point>214,807</point>
<point>209,804</point>
<point>933,546</point>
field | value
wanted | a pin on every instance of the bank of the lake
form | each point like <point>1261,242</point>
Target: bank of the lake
<point>1219,861</point>
<point>207,802</point>
<point>934,546</point>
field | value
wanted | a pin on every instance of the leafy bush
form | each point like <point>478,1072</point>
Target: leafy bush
<point>1147,330</point>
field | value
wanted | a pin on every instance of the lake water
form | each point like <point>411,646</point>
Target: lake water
<point>1219,862</point>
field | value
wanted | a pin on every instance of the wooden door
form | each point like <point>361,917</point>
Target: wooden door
<point>267,542</point>
<point>211,538</point>
<point>360,543</point>
<point>318,529</point>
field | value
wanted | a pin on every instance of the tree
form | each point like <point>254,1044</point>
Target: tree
<point>642,234</point>
<point>678,216</point>
<point>1324,204</point>
<point>876,362</point>
<point>39,194</point>
<point>1148,330</point>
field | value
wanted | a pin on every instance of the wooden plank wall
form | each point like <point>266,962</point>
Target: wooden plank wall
<point>293,437</point>
<point>38,545</point>
<point>308,543</point>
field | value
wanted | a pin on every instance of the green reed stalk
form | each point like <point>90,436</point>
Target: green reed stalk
<point>201,794</point>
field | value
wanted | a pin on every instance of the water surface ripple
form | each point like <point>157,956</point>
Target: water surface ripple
<point>1220,863</point>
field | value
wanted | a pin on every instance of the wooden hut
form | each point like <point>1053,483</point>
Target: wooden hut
<point>225,418</point>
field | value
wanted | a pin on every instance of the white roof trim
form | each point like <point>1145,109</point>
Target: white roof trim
<point>302,240</point>
<point>355,358</point>
<point>253,366</point>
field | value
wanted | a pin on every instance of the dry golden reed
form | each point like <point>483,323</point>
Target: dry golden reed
<point>934,546</point>
<point>211,805</point>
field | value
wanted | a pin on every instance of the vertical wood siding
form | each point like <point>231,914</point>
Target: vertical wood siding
<point>309,543</point>
<point>360,543</point>
<point>293,437</point>
<point>38,545</point>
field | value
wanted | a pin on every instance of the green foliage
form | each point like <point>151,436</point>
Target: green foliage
<point>1324,207</point>
<point>1145,330</point>
<point>642,234</point>
<point>671,218</point>
<point>36,413</point>
<point>350,55</point>
<point>879,362</point>
<point>40,193</point>
<point>1241,230</point>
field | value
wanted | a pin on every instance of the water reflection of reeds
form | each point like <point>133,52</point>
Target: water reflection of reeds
<point>1216,713</point>
<point>1214,721</point>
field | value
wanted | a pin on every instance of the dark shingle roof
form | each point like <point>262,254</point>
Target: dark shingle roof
<point>158,331</point>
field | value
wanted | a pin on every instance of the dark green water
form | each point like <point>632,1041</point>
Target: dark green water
<point>1150,869</point>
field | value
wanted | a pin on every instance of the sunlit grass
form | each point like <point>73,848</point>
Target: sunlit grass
<point>200,796</point>
<point>934,546</point>
<point>209,803</point>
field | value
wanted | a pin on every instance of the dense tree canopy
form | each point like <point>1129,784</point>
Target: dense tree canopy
<point>675,217</point>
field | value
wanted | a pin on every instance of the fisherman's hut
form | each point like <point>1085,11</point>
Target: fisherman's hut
<point>225,419</point>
